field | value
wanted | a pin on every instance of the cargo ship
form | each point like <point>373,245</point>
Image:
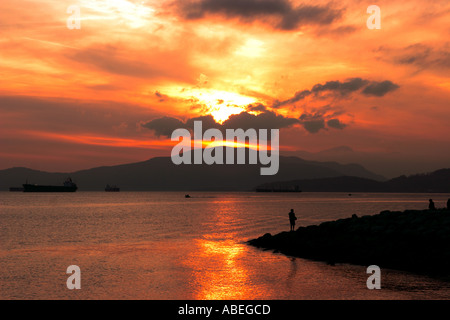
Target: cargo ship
<point>68,186</point>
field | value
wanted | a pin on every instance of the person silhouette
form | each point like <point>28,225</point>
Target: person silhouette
<point>431,205</point>
<point>292,219</point>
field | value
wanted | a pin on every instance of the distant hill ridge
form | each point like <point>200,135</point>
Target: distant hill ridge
<point>437,181</point>
<point>160,174</point>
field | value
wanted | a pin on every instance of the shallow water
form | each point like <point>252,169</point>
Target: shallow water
<point>160,245</point>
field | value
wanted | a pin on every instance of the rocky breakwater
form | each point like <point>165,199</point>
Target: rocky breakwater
<point>416,241</point>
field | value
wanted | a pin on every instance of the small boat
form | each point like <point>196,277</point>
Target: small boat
<point>68,186</point>
<point>109,188</point>
<point>187,196</point>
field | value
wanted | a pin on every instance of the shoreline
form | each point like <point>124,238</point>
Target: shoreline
<point>416,241</point>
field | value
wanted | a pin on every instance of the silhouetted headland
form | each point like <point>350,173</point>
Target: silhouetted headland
<point>433,182</point>
<point>415,241</point>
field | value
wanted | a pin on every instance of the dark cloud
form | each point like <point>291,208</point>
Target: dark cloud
<point>265,120</point>
<point>314,126</point>
<point>208,122</point>
<point>417,54</point>
<point>336,124</point>
<point>299,95</point>
<point>421,56</point>
<point>312,122</point>
<point>379,89</point>
<point>280,14</point>
<point>338,32</point>
<point>164,126</point>
<point>321,118</point>
<point>161,97</point>
<point>257,108</point>
<point>341,89</point>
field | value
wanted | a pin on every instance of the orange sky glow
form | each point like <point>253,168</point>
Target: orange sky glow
<point>105,94</point>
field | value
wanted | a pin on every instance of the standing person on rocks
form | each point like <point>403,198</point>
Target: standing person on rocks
<point>292,219</point>
<point>431,206</point>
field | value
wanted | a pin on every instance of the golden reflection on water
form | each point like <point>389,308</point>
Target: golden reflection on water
<point>219,262</point>
<point>225,277</point>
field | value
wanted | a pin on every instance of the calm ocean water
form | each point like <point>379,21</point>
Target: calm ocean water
<point>160,245</point>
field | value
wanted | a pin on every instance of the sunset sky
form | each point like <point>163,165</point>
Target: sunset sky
<point>113,91</point>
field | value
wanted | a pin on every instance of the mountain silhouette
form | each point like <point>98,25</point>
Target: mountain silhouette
<point>160,174</point>
<point>390,164</point>
<point>437,181</point>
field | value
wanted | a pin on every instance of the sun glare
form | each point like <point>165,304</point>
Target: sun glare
<point>223,104</point>
<point>222,113</point>
<point>220,104</point>
<point>235,144</point>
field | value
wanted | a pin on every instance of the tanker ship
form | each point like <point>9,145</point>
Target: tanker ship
<point>68,186</point>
